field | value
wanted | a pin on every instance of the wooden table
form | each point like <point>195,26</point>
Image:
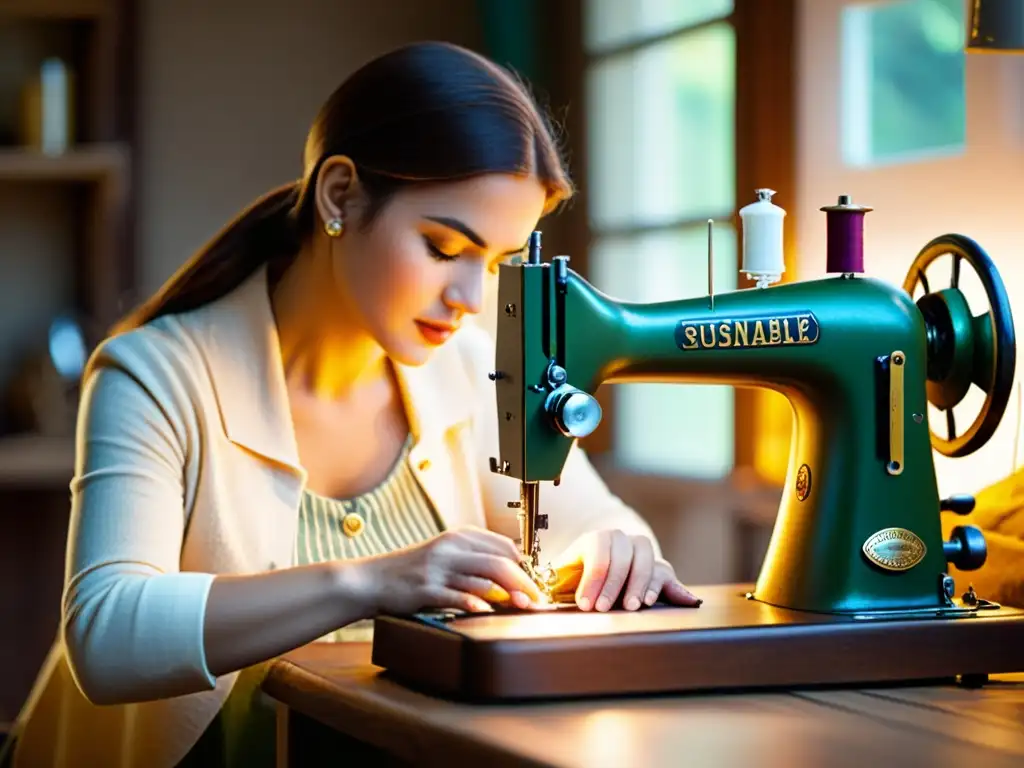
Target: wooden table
<point>334,701</point>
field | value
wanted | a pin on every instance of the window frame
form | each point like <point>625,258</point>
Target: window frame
<point>765,136</point>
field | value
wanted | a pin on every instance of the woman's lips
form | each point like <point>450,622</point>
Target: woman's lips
<point>435,334</point>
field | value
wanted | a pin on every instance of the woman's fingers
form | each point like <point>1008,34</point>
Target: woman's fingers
<point>621,563</point>
<point>607,558</point>
<point>503,572</point>
<point>596,554</point>
<point>464,601</point>
<point>485,565</point>
<point>489,591</point>
<point>665,585</point>
<point>640,575</point>
<point>675,593</point>
<point>656,584</point>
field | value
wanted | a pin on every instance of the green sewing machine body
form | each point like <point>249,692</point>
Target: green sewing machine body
<point>858,529</point>
<point>856,581</point>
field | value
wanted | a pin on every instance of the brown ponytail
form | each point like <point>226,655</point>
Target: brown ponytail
<point>265,231</point>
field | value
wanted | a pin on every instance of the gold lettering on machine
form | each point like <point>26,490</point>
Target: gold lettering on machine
<point>748,332</point>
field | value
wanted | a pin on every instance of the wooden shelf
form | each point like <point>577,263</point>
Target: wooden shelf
<point>53,9</point>
<point>66,242</point>
<point>33,460</point>
<point>93,162</point>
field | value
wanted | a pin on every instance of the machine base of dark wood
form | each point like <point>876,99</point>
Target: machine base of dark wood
<point>730,642</point>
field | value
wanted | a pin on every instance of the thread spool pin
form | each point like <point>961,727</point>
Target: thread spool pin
<point>711,265</point>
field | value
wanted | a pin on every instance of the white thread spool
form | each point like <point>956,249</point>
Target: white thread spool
<point>763,259</point>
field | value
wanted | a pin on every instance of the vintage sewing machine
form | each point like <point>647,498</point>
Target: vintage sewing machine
<point>855,585</point>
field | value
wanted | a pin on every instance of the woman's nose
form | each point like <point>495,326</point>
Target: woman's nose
<point>466,293</point>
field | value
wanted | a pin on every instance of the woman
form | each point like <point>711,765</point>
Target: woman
<point>292,436</point>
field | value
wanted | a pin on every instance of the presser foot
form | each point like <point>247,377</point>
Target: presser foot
<point>543,576</point>
<point>557,585</point>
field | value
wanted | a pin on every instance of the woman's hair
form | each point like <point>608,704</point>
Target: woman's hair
<point>424,113</point>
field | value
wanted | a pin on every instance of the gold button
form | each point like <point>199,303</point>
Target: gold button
<point>424,465</point>
<point>352,524</point>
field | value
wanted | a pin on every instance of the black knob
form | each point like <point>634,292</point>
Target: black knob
<point>542,522</point>
<point>966,548</point>
<point>960,504</point>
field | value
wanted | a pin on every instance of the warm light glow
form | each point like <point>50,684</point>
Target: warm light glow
<point>773,434</point>
<point>609,735</point>
<point>561,622</point>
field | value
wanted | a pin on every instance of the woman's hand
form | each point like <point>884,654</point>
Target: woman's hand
<point>611,565</point>
<point>469,568</point>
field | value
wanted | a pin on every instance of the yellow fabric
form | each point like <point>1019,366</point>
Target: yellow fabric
<point>188,467</point>
<point>999,513</point>
<point>1000,507</point>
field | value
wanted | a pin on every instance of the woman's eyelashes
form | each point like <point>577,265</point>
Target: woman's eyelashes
<point>437,253</point>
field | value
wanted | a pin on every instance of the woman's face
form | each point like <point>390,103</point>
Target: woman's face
<point>412,276</point>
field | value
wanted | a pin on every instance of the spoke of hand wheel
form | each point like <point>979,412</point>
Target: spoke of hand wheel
<point>924,281</point>
<point>950,425</point>
<point>955,279</point>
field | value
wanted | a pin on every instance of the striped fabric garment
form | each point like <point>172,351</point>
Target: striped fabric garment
<point>393,515</point>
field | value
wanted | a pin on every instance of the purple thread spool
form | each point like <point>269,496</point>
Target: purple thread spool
<point>844,225</point>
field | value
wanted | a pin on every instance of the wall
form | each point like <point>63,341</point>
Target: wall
<point>977,193</point>
<point>228,90</point>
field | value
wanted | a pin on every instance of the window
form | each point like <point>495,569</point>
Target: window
<point>903,81</point>
<point>661,159</point>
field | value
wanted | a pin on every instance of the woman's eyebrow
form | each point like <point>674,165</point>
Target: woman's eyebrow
<point>466,231</point>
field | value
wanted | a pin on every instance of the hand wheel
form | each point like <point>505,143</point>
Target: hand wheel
<point>965,348</point>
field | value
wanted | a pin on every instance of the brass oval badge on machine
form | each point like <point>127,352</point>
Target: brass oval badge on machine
<point>895,549</point>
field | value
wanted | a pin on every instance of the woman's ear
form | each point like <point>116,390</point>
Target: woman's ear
<point>337,190</point>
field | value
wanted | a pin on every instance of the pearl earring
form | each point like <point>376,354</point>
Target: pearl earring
<point>334,227</point>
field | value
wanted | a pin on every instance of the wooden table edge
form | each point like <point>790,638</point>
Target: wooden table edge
<point>316,696</point>
<point>351,705</point>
